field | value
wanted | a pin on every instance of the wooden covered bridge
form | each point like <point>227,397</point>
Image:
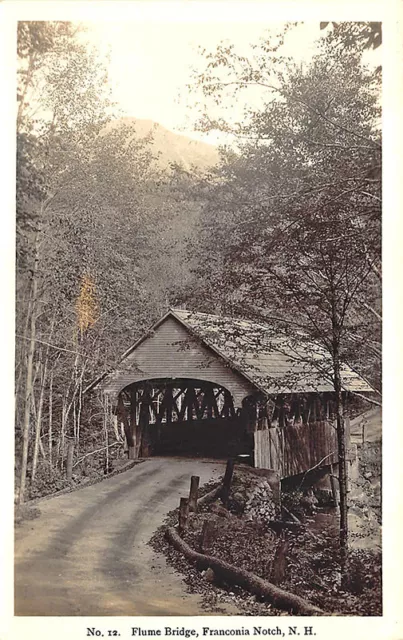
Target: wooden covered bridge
<point>205,385</point>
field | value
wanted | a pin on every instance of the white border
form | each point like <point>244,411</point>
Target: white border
<point>390,625</point>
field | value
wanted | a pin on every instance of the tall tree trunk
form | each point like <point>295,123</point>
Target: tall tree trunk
<point>69,461</point>
<point>39,420</point>
<point>63,431</point>
<point>30,370</point>
<point>50,434</point>
<point>341,447</point>
<point>106,419</point>
<point>79,404</point>
<point>38,424</point>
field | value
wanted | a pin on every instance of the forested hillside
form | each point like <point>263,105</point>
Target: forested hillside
<point>170,148</point>
<point>119,219</point>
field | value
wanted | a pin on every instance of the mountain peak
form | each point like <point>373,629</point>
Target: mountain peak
<point>173,147</point>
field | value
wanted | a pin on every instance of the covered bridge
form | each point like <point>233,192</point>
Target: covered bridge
<point>202,384</point>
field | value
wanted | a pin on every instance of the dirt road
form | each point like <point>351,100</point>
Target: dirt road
<point>87,553</point>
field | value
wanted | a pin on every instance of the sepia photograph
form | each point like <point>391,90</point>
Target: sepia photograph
<point>198,319</point>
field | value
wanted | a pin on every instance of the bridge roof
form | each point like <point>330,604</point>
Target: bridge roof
<point>273,360</point>
<point>270,359</point>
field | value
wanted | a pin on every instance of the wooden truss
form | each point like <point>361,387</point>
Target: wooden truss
<point>148,403</point>
<point>178,401</point>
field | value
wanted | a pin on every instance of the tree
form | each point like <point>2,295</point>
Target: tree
<point>295,209</point>
<point>63,104</point>
<point>367,35</point>
<point>97,222</point>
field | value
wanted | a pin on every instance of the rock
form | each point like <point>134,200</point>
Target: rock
<point>309,501</point>
<point>209,575</point>
<point>220,510</point>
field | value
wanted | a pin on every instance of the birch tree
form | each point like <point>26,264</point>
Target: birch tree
<point>62,106</point>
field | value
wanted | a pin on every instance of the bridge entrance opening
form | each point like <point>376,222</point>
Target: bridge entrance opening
<point>181,417</point>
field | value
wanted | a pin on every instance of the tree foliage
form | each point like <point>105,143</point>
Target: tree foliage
<point>304,184</point>
<point>295,212</point>
<point>99,242</point>
<point>367,35</point>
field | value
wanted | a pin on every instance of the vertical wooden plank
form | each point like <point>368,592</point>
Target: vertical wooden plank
<point>347,432</point>
<point>270,446</point>
<point>335,446</point>
<point>312,442</point>
<point>322,439</point>
<point>256,450</point>
<point>327,437</point>
<point>292,451</point>
<point>274,459</point>
<point>303,447</point>
<point>280,451</point>
<point>284,435</point>
<point>334,486</point>
<point>267,449</point>
<point>297,449</point>
<point>266,437</point>
<point>258,445</point>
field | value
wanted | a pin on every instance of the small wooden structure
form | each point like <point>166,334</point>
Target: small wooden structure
<point>202,384</point>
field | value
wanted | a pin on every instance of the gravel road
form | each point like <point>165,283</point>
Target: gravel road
<point>87,553</point>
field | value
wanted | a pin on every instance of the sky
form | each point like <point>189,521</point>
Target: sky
<point>151,60</point>
<point>150,63</point>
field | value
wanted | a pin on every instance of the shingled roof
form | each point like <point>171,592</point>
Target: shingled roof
<point>272,360</point>
<point>275,362</point>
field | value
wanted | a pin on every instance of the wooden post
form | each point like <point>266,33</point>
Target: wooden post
<point>279,562</point>
<point>226,485</point>
<point>69,461</point>
<point>194,488</point>
<point>183,514</point>
<point>208,535</point>
<point>333,486</point>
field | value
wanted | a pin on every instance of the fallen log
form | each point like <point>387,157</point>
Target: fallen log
<point>249,581</point>
<point>210,496</point>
